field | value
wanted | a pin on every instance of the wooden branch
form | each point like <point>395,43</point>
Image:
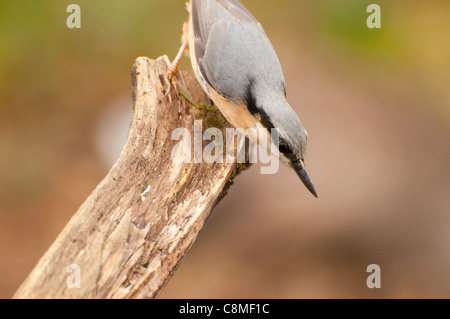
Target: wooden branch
<point>133,230</point>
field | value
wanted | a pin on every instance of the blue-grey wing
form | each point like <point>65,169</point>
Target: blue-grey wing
<point>232,49</point>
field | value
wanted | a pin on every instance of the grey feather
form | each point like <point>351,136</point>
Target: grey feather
<point>237,60</point>
<point>232,48</point>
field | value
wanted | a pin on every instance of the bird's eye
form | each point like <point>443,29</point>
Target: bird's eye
<point>284,147</point>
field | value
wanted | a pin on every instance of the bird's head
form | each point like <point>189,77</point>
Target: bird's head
<point>292,147</point>
<point>269,105</point>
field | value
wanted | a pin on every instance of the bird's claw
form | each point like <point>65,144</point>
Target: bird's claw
<point>172,67</point>
<point>167,84</point>
<point>168,77</point>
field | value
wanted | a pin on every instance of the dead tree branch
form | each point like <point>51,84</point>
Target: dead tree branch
<point>133,230</point>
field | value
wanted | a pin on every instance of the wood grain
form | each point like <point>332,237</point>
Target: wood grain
<point>131,233</point>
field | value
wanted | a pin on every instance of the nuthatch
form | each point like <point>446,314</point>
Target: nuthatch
<point>236,65</point>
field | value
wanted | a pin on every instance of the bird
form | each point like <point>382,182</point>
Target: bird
<point>238,68</point>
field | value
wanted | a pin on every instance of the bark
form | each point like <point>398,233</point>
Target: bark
<point>131,233</point>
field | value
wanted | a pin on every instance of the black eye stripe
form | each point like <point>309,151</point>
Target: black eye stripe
<point>286,150</point>
<point>253,107</point>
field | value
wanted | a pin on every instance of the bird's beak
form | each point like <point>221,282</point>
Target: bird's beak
<point>301,172</point>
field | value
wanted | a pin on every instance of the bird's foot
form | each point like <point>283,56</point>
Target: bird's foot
<point>172,68</point>
<point>169,75</point>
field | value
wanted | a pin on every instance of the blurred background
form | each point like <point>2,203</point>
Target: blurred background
<point>375,102</point>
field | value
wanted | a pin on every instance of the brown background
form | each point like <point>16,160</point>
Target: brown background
<point>376,104</point>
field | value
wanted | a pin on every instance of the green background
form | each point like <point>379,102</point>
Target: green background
<point>375,102</point>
